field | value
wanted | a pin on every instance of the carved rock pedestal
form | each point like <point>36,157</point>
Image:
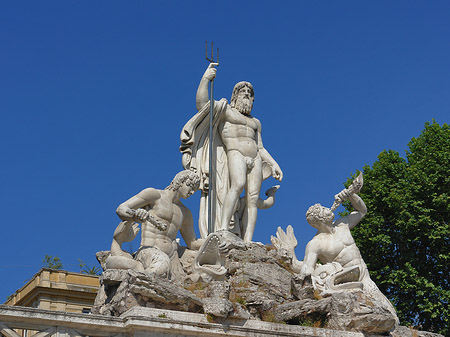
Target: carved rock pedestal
<point>259,284</point>
<point>341,311</point>
<point>121,290</point>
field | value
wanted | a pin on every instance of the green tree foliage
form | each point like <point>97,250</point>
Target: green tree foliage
<point>405,237</point>
<point>52,262</point>
<point>91,270</point>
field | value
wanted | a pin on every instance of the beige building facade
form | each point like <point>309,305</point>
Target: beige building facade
<point>53,289</point>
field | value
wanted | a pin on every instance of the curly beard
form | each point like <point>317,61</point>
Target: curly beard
<point>244,105</point>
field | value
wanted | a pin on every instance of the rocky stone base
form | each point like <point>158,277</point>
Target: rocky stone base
<point>121,290</point>
<point>342,311</point>
<point>259,285</point>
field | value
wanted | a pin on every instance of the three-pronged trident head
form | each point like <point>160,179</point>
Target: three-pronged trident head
<point>212,53</point>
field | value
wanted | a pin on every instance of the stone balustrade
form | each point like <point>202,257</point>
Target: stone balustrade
<point>143,322</point>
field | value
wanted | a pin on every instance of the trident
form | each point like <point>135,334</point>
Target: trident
<point>212,177</point>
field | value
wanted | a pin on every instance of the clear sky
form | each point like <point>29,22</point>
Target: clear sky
<point>93,96</point>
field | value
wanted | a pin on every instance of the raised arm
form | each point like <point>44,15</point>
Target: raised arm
<point>202,92</point>
<point>265,156</point>
<point>358,204</point>
<point>126,210</point>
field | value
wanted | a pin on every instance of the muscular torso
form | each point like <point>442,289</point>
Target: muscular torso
<point>338,247</point>
<point>239,132</point>
<point>169,213</point>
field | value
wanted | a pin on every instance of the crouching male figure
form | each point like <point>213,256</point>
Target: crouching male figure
<point>335,248</point>
<point>162,215</point>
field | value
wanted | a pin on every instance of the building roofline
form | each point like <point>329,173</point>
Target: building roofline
<point>15,298</point>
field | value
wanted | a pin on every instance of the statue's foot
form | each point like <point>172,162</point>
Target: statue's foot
<point>229,240</point>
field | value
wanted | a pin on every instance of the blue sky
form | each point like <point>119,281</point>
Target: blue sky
<point>93,96</point>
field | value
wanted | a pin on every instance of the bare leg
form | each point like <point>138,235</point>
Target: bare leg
<point>154,261</point>
<point>252,189</point>
<point>237,169</point>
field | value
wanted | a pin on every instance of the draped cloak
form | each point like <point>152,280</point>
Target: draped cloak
<point>195,149</point>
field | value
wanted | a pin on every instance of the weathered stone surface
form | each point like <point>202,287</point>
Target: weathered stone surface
<point>300,291</point>
<point>217,306</point>
<point>302,311</point>
<point>354,311</point>
<point>102,256</point>
<point>403,331</point>
<point>258,277</point>
<point>121,290</point>
<point>258,268</point>
<point>259,285</point>
<point>239,312</point>
<point>216,303</point>
<point>141,322</point>
<point>341,311</point>
<point>218,289</point>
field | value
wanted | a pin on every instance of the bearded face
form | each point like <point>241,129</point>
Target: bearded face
<point>244,105</point>
<point>243,97</point>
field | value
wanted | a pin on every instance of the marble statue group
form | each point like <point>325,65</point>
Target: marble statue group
<point>332,263</point>
<point>241,163</point>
